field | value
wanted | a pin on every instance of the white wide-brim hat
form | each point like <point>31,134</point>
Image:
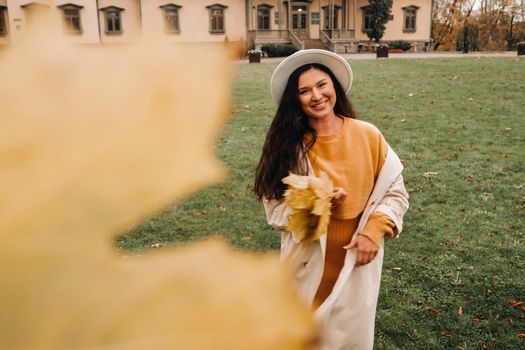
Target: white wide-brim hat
<point>337,64</point>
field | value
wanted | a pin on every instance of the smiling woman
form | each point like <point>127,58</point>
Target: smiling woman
<point>317,95</point>
<point>315,131</point>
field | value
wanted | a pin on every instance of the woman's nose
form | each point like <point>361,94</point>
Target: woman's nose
<point>316,94</point>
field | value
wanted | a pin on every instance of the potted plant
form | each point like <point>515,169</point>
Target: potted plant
<point>382,51</point>
<point>380,14</point>
<point>254,56</point>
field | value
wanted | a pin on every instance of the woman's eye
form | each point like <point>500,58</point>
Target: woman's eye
<point>303,92</point>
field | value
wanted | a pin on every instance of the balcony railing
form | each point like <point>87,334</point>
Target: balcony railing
<point>269,34</point>
<point>325,39</point>
<point>261,36</point>
<point>296,41</point>
<point>340,34</point>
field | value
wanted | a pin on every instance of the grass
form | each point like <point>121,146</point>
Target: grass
<point>458,125</point>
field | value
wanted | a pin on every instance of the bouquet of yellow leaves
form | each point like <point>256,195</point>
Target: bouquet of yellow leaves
<point>310,200</point>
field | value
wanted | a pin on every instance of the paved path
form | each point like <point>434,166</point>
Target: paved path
<point>439,54</point>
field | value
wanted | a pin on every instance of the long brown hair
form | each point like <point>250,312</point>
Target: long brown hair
<point>284,150</point>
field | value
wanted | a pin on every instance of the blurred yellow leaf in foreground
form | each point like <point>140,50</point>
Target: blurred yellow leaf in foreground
<point>93,140</point>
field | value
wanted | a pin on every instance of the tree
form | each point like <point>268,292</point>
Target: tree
<point>467,38</point>
<point>380,14</point>
<point>448,17</point>
<point>498,24</point>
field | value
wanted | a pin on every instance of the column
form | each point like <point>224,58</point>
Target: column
<point>279,11</point>
<point>331,14</point>
<point>321,19</point>
<point>289,15</point>
<point>345,17</point>
<point>256,11</point>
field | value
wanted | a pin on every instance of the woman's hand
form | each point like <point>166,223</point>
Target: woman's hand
<point>366,250</point>
<point>339,195</point>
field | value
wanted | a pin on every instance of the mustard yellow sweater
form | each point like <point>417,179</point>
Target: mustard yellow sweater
<point>352,158</point>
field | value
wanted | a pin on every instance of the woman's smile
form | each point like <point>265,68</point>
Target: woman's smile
<point>319,105</point>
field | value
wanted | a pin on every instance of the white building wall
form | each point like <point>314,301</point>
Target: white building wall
<point>131,21</point>
<point>17,17</point>
<point>194,20</point>
<point>394,28</point>
<point>89,19</point>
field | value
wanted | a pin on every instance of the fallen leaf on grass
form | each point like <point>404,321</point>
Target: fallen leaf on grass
<point>247,238</point>
<point>231,197</point>
<point>486,344</point>
<point>477,319</point>
<point>155,245</point>
<point>430,310</point>
<point>521,336</point>
<point>430,173</point>
<point>516,303</point>
<point>460,311</point>
<point>442,333</point>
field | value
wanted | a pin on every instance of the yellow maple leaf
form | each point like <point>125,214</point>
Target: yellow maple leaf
<point>310,200</point>
<point>93,140</point>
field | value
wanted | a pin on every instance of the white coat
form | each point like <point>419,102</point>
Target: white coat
<point>347,315</point>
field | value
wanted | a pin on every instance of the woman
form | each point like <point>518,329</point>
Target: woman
<point>315,129</point>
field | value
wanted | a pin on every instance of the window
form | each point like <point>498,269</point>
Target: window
<point>315,18</point>
<point>171,18</point>
<point>277,16</point>
<point>367,19</point>
<point>71,17</point>
<point>263,17</point>
<point>113,19</point>
<point>3,24</point>
<point>409,21</point>
<point>326,15</point>
<point>217,18</point>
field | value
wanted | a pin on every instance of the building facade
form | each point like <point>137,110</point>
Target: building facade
<point>338,25</point>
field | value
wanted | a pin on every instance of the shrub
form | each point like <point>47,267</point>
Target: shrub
<point>272,50</point>
<point>400,44</point>
<point>468,33</point>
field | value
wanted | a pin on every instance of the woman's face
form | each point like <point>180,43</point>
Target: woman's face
<point>316,93</point>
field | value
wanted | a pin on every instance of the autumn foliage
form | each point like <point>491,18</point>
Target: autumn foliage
<point>499,24</point>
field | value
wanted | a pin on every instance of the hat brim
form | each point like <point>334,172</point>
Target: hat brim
<point>337,64</point>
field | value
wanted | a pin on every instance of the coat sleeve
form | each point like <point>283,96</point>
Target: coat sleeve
<point>277,212</point>
<point>395,203</point>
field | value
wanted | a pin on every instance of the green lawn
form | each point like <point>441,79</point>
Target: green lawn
<point>459,127</point>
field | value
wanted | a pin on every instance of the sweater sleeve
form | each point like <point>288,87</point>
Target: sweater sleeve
<point>378,226</point>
